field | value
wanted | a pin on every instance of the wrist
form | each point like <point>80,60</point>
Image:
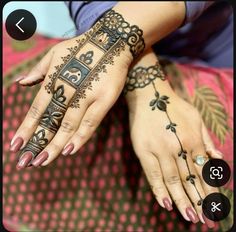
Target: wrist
<point>114,27</point>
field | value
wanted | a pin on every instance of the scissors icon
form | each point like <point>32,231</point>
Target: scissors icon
<point>215,206</point>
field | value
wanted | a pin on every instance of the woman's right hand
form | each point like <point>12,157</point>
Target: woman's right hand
<point>167,135</point>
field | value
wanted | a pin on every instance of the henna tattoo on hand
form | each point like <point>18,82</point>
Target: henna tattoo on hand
<point>53,115</point>
<point>140,77</point>
<point>51,121</point>
<point>106,40</point>
<point>87,58</point>
<point>36,144</point>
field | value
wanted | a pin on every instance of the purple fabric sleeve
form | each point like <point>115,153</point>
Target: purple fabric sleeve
<point>195,9</point>
<point>90,12</point>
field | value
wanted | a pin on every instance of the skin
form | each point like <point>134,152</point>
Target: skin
<point>77,126</point>
<point>157,147</point>
<point>82,116</point>
<point>81,120</point>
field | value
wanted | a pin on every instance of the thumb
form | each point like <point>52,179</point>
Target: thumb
<point>38,73</point>
<point>209,145</point>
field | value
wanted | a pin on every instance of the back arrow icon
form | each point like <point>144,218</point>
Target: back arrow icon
<point>17,24</point>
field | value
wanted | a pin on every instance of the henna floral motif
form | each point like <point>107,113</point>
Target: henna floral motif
<point>141,77</point>
<point>36,144</point>
<point>87,58</point>
<point>53,115</point>
<point>131,34</point>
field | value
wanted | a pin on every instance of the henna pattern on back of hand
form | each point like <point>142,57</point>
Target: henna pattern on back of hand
<point>106,40</point>
<point>139,78</point>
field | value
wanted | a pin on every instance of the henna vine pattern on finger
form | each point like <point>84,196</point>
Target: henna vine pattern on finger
<point>53,115</point>
<point>139,78</point>
<point>50,120</point>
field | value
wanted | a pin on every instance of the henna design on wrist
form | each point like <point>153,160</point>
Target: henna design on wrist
<point>139,78</point>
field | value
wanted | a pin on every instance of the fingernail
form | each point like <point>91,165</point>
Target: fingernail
<point>215,153</point>
<point>68,149</point>
<point>24,160</point>
<point>16,145</point>
<point>19,78</point>
<point>192,215</point>
<point>218,153</point>
<point>40,159</point>
<point>209,222</point>
<point>167,204</point>
<point>201,219</point>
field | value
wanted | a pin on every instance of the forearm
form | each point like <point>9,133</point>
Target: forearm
<point>156,19</point>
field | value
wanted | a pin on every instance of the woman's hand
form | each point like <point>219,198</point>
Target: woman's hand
<point>83,78</point>
<point>168,135</point>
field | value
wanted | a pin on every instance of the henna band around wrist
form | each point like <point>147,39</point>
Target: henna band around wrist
<point>114,24</point>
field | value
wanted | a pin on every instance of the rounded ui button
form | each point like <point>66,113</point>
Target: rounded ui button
<point>21,24</point>
<point>216,206</point>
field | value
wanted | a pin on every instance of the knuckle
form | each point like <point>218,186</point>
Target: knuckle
<point>155,175</point>
<point>157,189</point>
<point>80,135</point>
<point>180,201</point>
<point>88,122</point>
<point>172,180</point>
<point>34,112</point>
<point>67,127</point>
<point>55,147</point>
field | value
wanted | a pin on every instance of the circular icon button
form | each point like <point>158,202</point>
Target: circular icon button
<point>216,206</point>
<point>21,24</point>
<point>216,172</point>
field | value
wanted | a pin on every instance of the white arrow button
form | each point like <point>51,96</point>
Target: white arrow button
<point>17,24</point>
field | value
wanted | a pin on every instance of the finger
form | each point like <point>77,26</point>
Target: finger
<point>207,188</point>
<point>209,145</point>
<point>67,129</point>
<point>29,124</point>
<point>91,120</point>
<point>154,176</point>
<point>48,124</point>
<point>191,182</point>
<point>38,73</point>
<point>174,185</point>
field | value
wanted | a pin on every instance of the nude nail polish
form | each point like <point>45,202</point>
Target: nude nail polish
<point>167,204</point>
<point>19,78</point>
<point>24,160</point>
<point>209,223</point>
<point>16,145</point>
<point>192,215</point>
<point>219,154</point>
<point>40,159</point>
<point>68,149</point>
